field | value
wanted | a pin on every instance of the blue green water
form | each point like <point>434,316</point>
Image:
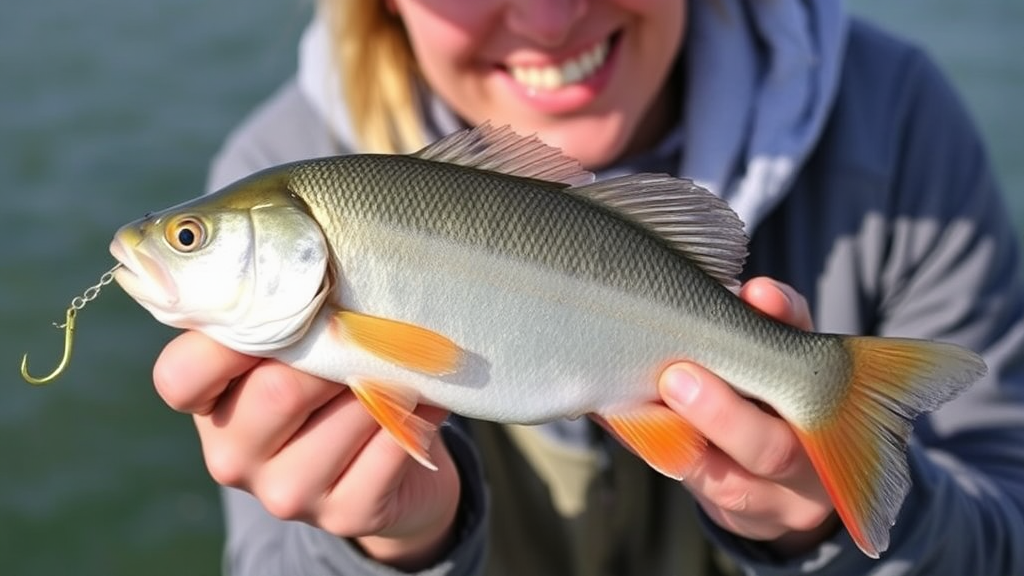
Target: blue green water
<point>111,108</point>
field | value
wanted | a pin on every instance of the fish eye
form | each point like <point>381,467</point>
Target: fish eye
<point>186,234</point>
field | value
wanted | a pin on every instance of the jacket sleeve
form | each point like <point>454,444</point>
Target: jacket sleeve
<point>948,268</point>
<point>284,129</point>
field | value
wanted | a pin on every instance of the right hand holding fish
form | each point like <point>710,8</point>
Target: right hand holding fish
<point>260,422</point>
<point>756,481</point>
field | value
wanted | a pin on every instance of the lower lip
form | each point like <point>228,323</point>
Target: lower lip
<point>571,98</point>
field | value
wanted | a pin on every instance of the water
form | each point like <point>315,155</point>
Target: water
<point>110,108</point>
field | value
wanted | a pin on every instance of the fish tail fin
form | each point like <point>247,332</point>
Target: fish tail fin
<point>859,452</point>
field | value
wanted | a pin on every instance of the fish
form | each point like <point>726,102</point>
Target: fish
<point>491,275</point>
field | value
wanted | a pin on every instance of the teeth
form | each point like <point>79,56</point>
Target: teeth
<point>569,72</point>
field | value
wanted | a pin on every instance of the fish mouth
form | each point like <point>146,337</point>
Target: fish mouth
<point>141,276</point>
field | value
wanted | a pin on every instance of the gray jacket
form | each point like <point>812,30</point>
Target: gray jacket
<point>893,226</point>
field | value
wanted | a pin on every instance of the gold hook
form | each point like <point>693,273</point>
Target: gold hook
<point>69,337</point>
<point>77,303</point>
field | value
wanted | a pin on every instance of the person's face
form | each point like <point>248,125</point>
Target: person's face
<point>587,76</point>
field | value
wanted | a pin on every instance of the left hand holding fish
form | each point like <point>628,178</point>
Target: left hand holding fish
<point>755,480</point>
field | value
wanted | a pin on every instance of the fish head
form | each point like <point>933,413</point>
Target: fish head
<point>247,266</point>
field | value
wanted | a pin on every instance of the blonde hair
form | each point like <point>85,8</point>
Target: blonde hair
<point>378,73</point>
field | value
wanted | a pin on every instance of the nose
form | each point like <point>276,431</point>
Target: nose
<point>546,22</point>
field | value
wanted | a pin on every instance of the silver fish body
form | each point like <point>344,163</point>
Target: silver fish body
<point>489,275</point>
<point>563,307</point>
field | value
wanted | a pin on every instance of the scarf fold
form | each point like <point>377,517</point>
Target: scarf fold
<point>761,80</point>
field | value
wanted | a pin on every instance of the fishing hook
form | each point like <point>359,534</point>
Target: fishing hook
<point>77,304</point>
<point>69,337</point>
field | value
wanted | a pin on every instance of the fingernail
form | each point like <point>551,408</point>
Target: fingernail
<point>681,385</point>
<point>784,290</point>
<point>780,289</point>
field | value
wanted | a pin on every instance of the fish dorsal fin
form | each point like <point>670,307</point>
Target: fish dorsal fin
<point>690,219</point>
<point>502,150</point>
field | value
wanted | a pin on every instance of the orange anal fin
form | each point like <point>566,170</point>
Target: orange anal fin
<point>666,441</point>
<point>392,407</point>
<point>859,451</point>
<point>404,344</point>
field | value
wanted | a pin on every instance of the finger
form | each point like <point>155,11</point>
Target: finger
<point>192,371</point>
<point>761,443</point>
<point>734,498</point>
<point>384,485</point>
<point>257,417</point>
<point>722,483</point>
<point>292,484</point>
<point>751,506</point>
<point>778,300</point>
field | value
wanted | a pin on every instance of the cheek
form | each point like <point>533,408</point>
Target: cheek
<point>657,47</point>
<point>217,285</point>
<point>448,38</point>
<point>648,58</point>
<point>660,26</point>
<point>444,33</point>
<point>214,280</point>
<point>458,13</point>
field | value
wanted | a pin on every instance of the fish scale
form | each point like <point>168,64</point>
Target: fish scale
<point>522,220</point>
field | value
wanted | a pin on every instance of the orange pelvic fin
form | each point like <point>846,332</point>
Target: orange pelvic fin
<point>393,407</point>
<point>860,451</point>
<point>666,441</point>
<point>404,344</point>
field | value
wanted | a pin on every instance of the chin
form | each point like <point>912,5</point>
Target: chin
<point>583,143</point>
<point>593,155</point>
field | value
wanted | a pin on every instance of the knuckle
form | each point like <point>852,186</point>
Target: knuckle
<point>170,389</point>
<point>725,492</point>
<point>718,413</point>
<point>808,518</point>
<point>283,396</point>
<point>354,520</point>
<point>284,500</point>
<point>776,460</point>
<point>345,525</point>
<point>728,497</point>
<point>226,467</point>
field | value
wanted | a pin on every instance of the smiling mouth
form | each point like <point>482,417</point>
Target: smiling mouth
<point>572,71</point>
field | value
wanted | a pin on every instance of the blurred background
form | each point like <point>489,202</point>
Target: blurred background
<point>112,108</point>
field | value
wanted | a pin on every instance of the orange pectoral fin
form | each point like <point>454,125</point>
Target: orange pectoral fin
<point>666,441</point>
<point>392,408</point>
<point>404,344</point>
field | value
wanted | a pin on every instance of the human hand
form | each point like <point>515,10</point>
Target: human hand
<point>308,450</point>
<point>754,480</point>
